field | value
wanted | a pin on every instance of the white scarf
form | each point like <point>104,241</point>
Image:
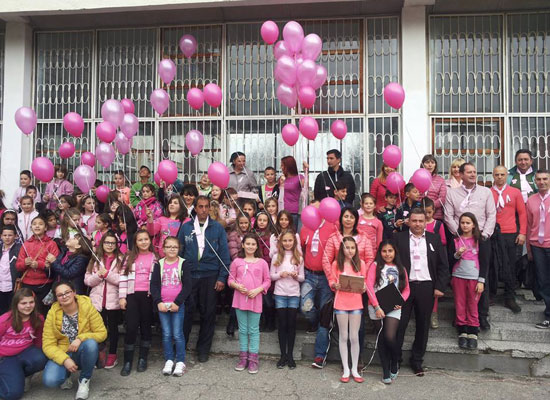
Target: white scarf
<point>200,235</point>
<point>316,240</point>
<point>525,187</point>
<point>500,202</point>
<point>466,201</point>
<point>542,222</point>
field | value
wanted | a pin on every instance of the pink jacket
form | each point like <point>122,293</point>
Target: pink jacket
<point>59,188</point>
<point>438,192</point>
<point>373,229</point>
<point>89,226</point>
<point>364,246</point>
<point>252,276</point>
<point>234,243</point>
<point>108,285</point>
<point>372,286</point>
<point>347,300</point>
<point>287,286</point>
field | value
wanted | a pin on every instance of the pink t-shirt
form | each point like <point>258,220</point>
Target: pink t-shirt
<point>144,266</point>
<point>252,276</point>
<point>430,226</point>
<point>170,285</point>
<point>13,343</point>
<point>292,190</point>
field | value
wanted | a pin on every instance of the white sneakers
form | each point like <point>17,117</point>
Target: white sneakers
<point>167,370</point>
<point>68,384</point>
<point>180,368</point>
<point>83,389</point>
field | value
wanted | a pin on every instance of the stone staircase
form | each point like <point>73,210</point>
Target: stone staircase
<point>513,345</point>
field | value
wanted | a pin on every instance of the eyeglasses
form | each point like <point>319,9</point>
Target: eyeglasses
<point>171,247</point>
<point>110,243</point>
<point>63,295</point>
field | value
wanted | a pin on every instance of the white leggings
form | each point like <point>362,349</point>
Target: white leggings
<point>349,325</point>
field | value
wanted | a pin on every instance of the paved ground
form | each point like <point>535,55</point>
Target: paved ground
<point>217,380</point>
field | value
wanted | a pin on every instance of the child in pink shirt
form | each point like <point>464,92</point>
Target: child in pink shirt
<point>348,305</point>
<point>249,276</point>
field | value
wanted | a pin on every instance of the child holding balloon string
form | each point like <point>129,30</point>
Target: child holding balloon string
<point>89,215</point>
<point>148,202</point>
<point>57,187</point>
<point>64,203</point>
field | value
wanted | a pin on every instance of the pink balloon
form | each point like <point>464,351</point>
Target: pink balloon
<point>269,32</point>
<point>105,154</point>
<point>330,209</point>
<point>168,171</point>
<point>25,119</point>
<point>309,127</point>
<point>195,98</point>
<point>129,125</point>
<point>74,124</point>
<point>287,95</point>
<point>157,179</point>
<point>102,192</point>
<point>320,77</point>
<point>105,131</point>
<point>212,95</point>
<point>392,156</point>
<point>293,34</point>
<point>84,177</point>
<point>311,217</point>
<point>113,112</point>
<point>290,134</point>
<point>160,100</point>
<point>285,70</point>
<point>394,95</point>
<point>306,72</point>
<point>122,143</point>
<point>66,150</point>
<point>218,174</point>
<point>395,182</point>
<point>87,158</point>
<point>188,45</point>
<point>339,129</point>
<point>128,106</point>
<point>311,46</point>
<point>194,142</point>
<point>306,95</point>
<point>43,169</point>
<point>167,70</point>
<point>422,179</point>
<point>281,49</point>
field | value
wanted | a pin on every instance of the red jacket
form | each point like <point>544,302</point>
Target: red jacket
<point>37,249</point>
<point>315,262</point>
<point>513,204</point>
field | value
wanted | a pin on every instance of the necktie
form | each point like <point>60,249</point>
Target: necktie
<point>500,202</point>
<point>542,221</point>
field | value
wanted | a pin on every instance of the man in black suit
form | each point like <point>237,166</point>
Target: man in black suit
<point>427,267</point>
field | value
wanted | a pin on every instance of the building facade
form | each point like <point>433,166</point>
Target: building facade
<point>476,78</point>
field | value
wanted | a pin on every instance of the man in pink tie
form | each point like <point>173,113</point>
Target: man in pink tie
<point>538,240</point>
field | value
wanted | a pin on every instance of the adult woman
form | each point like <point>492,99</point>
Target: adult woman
<point>378,186</point>
<point>20,345</point>
<point>454,180</point>
<point>293,189</point>
<point>241,178</point>
<point>72,332</point>
<point>438,189</point>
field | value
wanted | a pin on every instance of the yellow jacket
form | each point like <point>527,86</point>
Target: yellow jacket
<point>90,326</point>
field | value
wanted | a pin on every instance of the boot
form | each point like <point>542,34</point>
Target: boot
<point>128,359</point>
<point>144,347</point>
<point>253,363</point>
<point>243,361</point>
<point>230,329</point>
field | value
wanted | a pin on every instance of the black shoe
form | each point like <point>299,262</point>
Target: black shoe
<point>126,369</point>
<point>472,342</point>
<point>142,365</point>
<point>291,363</point>
<point>203,358</point>
<point>463,341</point>
<point>128,358</point>
<point>230,330</point>
<point>418,370</point>
<point>484,324</point>
<point>512,305</point>
<point>543,325</point>
<point>282,362</point>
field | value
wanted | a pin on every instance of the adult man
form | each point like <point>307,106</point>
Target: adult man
<point>241,178</point>
<point>135,191</point>
<point>315,291</point>
<point>538,236</point>
<point>510,208</point>
<point>522,176</point>
<point>325,184</point>
<point>426,263</point>
<point>203,245</point>
<point>479,201</point>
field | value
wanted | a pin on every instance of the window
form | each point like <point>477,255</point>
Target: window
<point>2,44</point>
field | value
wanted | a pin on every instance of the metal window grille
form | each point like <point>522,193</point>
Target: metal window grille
<point>532,133</point>
<point>2,47</point>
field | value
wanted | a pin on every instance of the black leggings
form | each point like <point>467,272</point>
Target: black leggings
<point>139,314</point>
<point>388,348</point>
<point>111,319</point>
<point>287,330</point>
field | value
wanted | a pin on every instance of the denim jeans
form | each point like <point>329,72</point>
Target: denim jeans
<point>315,293</point>
<point>287,301</point>
<point>541,256</point>
<point>85,358</point>
<point>172,328</point>
<point>249,331</point>
<point>14,369</point>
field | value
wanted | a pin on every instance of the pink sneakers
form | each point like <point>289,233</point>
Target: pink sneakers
<point>111,361</point>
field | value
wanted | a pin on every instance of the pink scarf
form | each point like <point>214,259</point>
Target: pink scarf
<point>144,206</point>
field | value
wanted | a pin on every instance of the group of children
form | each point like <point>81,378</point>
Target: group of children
<point>126,258</point>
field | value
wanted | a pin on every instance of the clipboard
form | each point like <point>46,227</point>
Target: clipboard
<point>389,297</point>
<point>351,283</point>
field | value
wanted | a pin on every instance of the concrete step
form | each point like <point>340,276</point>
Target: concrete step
<point>531,312</point>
